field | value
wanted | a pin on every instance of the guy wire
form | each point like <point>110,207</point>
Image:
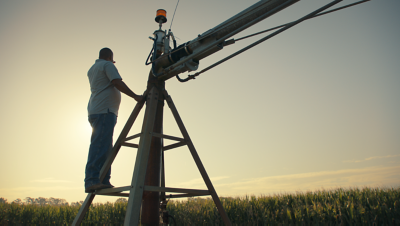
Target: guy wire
<point>320,14</point>
<point>173,15</point>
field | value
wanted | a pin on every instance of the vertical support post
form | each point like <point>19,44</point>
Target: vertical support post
<point>142,157</point>
<point>151,200</point>
<point>197,160</point>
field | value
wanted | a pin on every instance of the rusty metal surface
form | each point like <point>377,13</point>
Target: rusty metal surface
<point>138,179</point>
<point>151,200</point>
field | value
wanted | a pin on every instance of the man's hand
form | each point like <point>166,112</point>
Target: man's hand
<point>121,86</point>
<point>138,98</point>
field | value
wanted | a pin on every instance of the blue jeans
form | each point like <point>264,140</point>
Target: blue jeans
<point>100,147</point>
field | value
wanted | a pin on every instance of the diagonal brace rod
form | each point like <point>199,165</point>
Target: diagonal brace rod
<point>196,158</point>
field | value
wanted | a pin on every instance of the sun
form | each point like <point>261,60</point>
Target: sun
<point>83,130</point>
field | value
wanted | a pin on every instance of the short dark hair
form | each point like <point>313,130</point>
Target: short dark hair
<point>105,53</point>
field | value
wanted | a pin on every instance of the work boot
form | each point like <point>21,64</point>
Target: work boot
<point>108,186</point>
<point>95,187</point>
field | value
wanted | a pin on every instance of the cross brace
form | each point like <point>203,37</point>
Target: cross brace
<point>138,187</point>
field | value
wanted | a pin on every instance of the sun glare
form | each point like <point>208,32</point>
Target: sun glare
<point>84,131</point>
<point>88,129</point>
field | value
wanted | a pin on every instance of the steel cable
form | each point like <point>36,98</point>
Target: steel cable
<point>173,15</point>
<point>330,11</point>
<point>285,27</point>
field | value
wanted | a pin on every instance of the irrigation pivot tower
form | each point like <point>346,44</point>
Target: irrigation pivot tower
<point>147,192</point>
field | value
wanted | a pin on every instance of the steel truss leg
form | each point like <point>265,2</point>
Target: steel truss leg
<point>196,158</point>
<point>137,187</point>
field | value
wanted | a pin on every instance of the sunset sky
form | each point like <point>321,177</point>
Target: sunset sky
<point>316,107</point>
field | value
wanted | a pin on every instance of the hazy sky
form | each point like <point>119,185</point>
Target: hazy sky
<point>314,107</point>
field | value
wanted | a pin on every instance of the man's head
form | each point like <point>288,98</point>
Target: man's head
<point>106,54</point>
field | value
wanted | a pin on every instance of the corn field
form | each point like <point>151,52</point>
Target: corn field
<point>368,206</point>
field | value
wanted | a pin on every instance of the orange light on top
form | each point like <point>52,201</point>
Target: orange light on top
<point>161,12</point>
<point>161,16</point>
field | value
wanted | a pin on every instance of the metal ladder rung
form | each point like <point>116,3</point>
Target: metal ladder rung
<point>133,137</point>
<point>129,145</point>
<point>167,137</point>
<point>176,145</point>
<point>115,194</point>
<point>112,190</point>
<point>170,196</point>
<point>177,190</point>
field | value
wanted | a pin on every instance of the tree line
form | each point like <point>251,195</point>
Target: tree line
<point>49,201</point>
<point>42,201</point>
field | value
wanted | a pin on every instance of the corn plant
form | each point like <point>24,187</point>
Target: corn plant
<point>367,206</point>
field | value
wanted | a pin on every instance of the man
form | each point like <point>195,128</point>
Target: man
<point>105,85</point>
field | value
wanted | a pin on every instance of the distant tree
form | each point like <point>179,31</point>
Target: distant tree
<point>3,200</point>
<point>53,201</point>
<point>63,202</point>
<point>17,201</point>
<point>29,200</point>
<point>121,200</point>
<point>41,201</point>
<point>75,204</point>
